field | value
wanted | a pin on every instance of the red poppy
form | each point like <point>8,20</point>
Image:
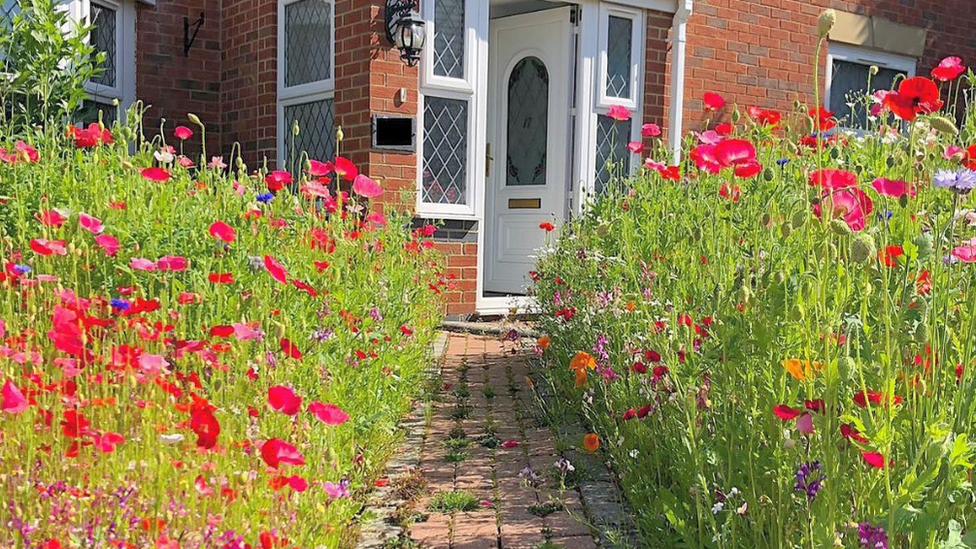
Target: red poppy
<point>156,173</point>
<point>892,188</point>
<point>346,169</point>
<point>713,101</point>
<point>890,254</point>
<point>330,414</point>
<point>221,278</point>
<point>74,424</point>
<point>785,412</point>
<point>949,69</point>
<point>725,129</point>
<point>44,247</point>
<point>764,117</point>
<point>222,231</point>
<point>916,95</point>
<point>92,136</point>
<point>864,397</point>
<point>277,180</point>
<point>53,218</point>
<point>850,433</point>
<point>290,348</point>
<point>734,152</point>
<point>205,425</point>
<point>284,400</point>
<point>823,119</point>
<point>875,459</point>
<point>275,451</point>
<point>832,179</point>
<point>547,226</point>
<point>275,269</point>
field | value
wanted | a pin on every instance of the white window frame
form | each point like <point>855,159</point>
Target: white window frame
<point>603,102</point>
<point>864,56</point>
<point>636,56</point>
<point>124,89</point>
<point>470,89</point>
<point>310,92</point>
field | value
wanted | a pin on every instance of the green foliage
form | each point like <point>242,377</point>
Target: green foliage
<point>453,502</point>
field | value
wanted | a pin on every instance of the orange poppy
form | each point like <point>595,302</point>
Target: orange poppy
<point>591,442</point>
<point>544,342</point>
<point>802,369</point>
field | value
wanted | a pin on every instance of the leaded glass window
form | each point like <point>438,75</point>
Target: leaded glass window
<point>850,83</point>
<point>308,42</point>
<point>315,132</point>
<point>528,123</point>
<point>619,48</point>
<point>612,154</point>
<point>8,9</point>
<point>449,38</point>
<point>445,147</point>
<point>103,40</point>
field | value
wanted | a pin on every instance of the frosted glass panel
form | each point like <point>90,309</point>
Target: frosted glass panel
<point>528,123</point>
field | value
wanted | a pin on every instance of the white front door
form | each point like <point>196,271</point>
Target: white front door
<point>529,86</point>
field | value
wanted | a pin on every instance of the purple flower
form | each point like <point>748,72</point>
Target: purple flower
<point>809,479</point>
<point>872,537</point>
<point>962,181</point>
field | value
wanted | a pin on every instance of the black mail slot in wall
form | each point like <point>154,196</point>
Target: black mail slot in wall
<point>395,133</point>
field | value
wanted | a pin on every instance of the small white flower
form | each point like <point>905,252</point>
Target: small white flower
<point>717,508</point>
<point>171,440</point>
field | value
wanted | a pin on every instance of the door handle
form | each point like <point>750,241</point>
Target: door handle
<point>488,159</point>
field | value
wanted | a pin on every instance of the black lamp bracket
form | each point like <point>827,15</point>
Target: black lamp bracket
<point>395,9</point>
<point>187,39</point>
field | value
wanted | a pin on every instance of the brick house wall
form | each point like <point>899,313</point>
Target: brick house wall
<point>173,84</point>
<point>761,52</point>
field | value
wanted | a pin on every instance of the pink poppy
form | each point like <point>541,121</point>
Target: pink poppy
<point>106,442</point>
<point>275,269</point>
<point>892,188</point>
<point>635,147</point>
<point>709,137</point>
<point>713,101</point>
<point>277,180</point>
<point>284,400</point>
<point>319,169</point>
<point>966,254</point>
<point>13,401</point>
<point>140,264</point>
<point>50,218</point>
<point>171,263</point>
<point>108,243</point>
<point>152,365</point>
<point>618,113</point>
<point>804,424</point>
<point>733,152</point>
<point>954,152</point>
<point>850,204</point>
<point>90,223</point>
<point>297,483</point>
<point>366,187</point>
<point>156,174</point>
<point>875,459</point>
<point>376,218</point>
<point>314,189</point>
<point>183,133</point>
<point>45,247</point>
<point>784,412</point>
<point>748,169</point>
<point>949,69</point>
<point>275,451</point>
<point>650,130</point>
<point>704,157</point>
<point>222,231</point>
<point>244,332</point>
<point>330,414</point>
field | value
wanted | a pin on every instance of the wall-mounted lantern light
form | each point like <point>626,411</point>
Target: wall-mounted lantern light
<point>405,30</point>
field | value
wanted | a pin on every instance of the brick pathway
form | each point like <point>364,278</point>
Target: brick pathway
<point>484,441</point>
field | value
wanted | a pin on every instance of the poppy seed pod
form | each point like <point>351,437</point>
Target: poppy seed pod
<point>787,230</point>
<point>840,227</point>
<point>826,22</point>
<point>768,174</point>
<point>863,249</point>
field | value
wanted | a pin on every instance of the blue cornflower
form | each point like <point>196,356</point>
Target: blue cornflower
<point>22,269</point>
<point>782,162</point>
<point>962,181</point>
<point>264,198</point>
<point>120,304</point>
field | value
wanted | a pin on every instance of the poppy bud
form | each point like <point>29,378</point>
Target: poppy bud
<point>765,219</point>
<point>797,106</point>
<point>799,219</point>
<point>736,116</point>
<point>195,119</point>
<point>745,295</point>
<point>787,230</point>
<point>863,249</point>
<point>903,200</point>
<point>873,70</point>
<point>796,314</point>
<point>925,244</point>
<point>779,277</point>
<point>295,128</point>
<point>840,227</point>
<point>768,174</point>
<point>339,135</point>
<point>845,365</point>
<point>826,22</point>
<point>279,330</point>
<point>943,125</point>
<point>603,230</point>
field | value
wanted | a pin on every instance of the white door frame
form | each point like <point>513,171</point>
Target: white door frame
<point>587,61</point>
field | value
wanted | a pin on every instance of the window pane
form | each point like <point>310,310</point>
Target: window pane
<point>103,39</point>
<point>88,113</point>
<point>308,42</point>
<point>620,38</point>
<point>315,132</point>
<point>445,151</point>
<point>449,38</point>
<point>8,9</point>
<point>612,154</point>
<point>849,85</point>
<point>528,123</point>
